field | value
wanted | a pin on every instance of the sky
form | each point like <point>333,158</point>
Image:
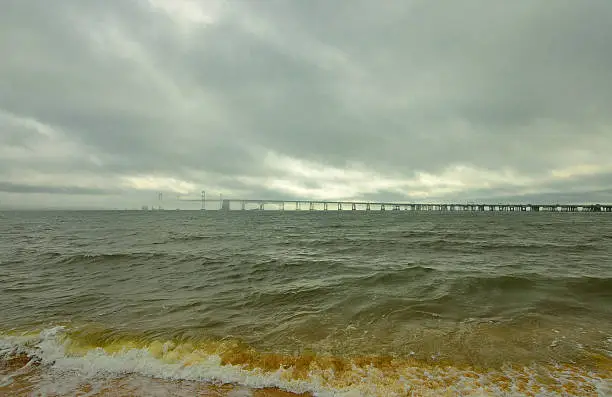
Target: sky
<point>103,104</point>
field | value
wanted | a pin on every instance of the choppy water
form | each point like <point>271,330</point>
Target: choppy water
<point>257,303</point>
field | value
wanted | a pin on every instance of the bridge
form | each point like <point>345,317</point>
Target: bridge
<point>326,205</point>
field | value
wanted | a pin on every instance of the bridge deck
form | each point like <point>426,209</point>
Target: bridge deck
<point>226,204</point>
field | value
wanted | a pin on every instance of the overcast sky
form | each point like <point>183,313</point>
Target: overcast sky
<point>105,103</point>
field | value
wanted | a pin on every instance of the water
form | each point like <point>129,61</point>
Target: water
<point>269,303</point>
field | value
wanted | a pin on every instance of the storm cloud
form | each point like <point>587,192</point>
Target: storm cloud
<point>111,102</point>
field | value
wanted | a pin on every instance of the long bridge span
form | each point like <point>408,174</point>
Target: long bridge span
<point>326,205</point>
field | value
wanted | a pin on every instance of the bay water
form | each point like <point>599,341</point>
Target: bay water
<point>273,303</point>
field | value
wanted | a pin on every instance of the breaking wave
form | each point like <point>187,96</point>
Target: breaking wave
<point>231,362</point>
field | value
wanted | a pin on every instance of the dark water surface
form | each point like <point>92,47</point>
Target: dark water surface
<point>347,303</point>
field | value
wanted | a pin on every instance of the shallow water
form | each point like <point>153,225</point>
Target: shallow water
<point>349,303</point>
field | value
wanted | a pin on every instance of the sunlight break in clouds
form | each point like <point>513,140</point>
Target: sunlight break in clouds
<point>155,183</point>
<point>581,170</point>
<point>190,11</point>
<point>351,182</point>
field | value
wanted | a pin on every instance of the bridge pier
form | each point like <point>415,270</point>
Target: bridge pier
<point>311,206</point>
<point>368,207</point>
<point>353,206</point>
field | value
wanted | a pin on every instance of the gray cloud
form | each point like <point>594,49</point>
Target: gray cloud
<point>20,188</point>
<point>350,99</point>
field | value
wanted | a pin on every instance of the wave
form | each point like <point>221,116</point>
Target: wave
<point>64,258</point>
<point>399,276</point>
<point>441,234</point>
<point>600,286</point>
<point>472,284</point>
<point>127,257</point>
<point>547,285</point>
<point>189,237</point>
<point>422,282</point>
<point>232,362</point>
<point>489,245</point>
<point>437,241</point>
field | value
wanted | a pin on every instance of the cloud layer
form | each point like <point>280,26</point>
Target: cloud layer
<point>107,103</point>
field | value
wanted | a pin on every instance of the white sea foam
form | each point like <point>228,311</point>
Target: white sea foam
<point>65,371</point>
